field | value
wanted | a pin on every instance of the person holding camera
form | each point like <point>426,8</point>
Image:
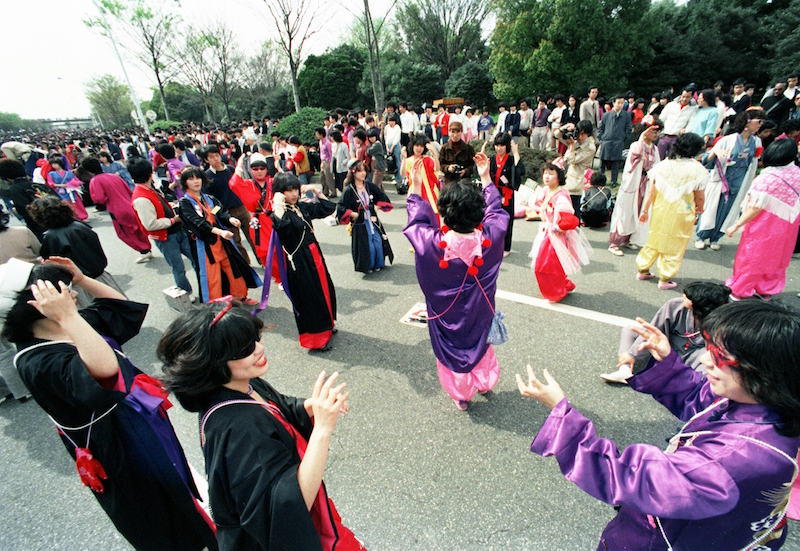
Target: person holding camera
<point>456,156</point>
<point>580,153</point>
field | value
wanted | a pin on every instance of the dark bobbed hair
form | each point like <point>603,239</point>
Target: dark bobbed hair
<point>57,160</point>
<point>790,125</point>
<point>140,169</point>
<point>741,120</point>
<point>22,315</point>
<point>90,164</point>
<point>562,178</point>
<point>640,127</point>
<point>166,150</point>
<point>710,96</point>
<point>461,205</point>
<point>210,148</point>
<point>106,155</point>
<point>503,138</point>
<point>419,139</point>
<point>195,355</point>
<point>361,135</point>
<point>11,169</point>
<point>51,212</point>
<point>336,136</point>
<point>584,127</point>
<point>764,337</point>
<point>598,179</point>
<point>706,296</point>
<point>194,172</point>
<point>285,181</point>
<point>780,152</point>
<point>294,140</point>
<point>687,146</point>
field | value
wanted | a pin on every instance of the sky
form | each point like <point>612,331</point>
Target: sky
<point>56,54</point>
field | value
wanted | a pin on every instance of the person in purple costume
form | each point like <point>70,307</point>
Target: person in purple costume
<point>725,479</point>
<point>457,269</point>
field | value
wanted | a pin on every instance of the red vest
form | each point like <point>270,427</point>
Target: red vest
<point>147,193</point>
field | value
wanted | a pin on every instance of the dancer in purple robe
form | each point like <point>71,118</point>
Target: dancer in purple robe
<point>725,479</point>
<point>457,269</point>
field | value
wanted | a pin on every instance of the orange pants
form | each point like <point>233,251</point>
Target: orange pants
<point>237,286</point>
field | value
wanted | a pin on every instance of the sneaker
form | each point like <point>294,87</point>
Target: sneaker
<point>699,244</point>
<point>666,285</point>
<point>642,276</point>
<point>615,251</point>
<point>620,376</point>
<point>737,298</point>
<point>144,257</point>
<point>715,247</point>
<point>461,404</point>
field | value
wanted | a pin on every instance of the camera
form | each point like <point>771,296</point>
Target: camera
<point>457,168</point>
<point>570,134</point>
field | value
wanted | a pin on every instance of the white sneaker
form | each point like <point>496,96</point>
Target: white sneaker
<point>144,257</point>
<point>714,247</point>
<point>616,251</point>
<point>620,376</point>
<point>632,246</point>
<point>699,245</point>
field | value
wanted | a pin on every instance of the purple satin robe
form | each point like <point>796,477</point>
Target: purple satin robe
<point>723,484</point>
<point>459,336</point>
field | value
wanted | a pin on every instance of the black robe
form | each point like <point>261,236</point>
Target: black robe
<point>304,282</point>
<point>199,228</point>
<point>251,464</point>
<point>513,180</point>
<point>79,243</point>
<point>360,243</point>
<point>144,496</point>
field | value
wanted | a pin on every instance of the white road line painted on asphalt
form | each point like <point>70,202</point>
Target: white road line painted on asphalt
<point>565,309</point>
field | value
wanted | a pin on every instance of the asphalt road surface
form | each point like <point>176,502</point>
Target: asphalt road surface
<point>407,470</point>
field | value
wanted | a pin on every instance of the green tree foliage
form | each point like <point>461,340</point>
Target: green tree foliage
<point>110,100</point>
<point>568,45</point>
<point>405,80</point>
<point>184,103</point>
<point>10,121</point>
<point>331,80</point>
<point>473,82</point>
<point>279,102</point>
<point>443,34</point>
<point>302,123</point>
<point>781,26</point>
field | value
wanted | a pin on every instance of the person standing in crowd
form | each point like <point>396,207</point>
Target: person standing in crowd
<point>358,208</point>
<point>392,136</point>
<point>676,116</point>
<point>555,120</point>
<point>579,156</point>
<point>725,478</point>
<point>299,161</point>
<point>222,270</point>
<point>456,156</point>
<point>771,219</point>
<point>67,185</point>
<point>110,166</point>
<point>111,190</point>
<point>378,154</point>
<point>485,125</point>
<point>325,156</point>
<point>570,114</point>
<point>626,230</point>
<point>265,453</point>
<point>681,320</point>
<point>540,125</point>
<point>677,197</point>
<point>457,270</point>
<point>506,171</point>
<point>184,154</point>
<point>735,160</point>
<point>704,122</point>
<point>110,416</point>
<point>158,220</point>
<point>309,283</point>
<point>174,167</point>
<point>442,123</point>
<point>615,127</point>
<point>777,106</point>
<point>560,247</point>
<point>341,156</point>
<point>219,176</point>
<point>590,110</point>
<point>525,123</point>
<point>23,192</point>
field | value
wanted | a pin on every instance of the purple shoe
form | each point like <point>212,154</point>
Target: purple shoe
<point>461,404</point>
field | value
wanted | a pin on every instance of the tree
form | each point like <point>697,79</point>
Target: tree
<point>228,61</point>
<point>567,45</point>
<point>295,21</point>
<point>183,101</point>
<point>408,81</point>
<point>473,82</point>
<point>110,100</point>
<point>302,123</point>
<point>323,81</point>
<point>197,67</point>
<point>150,31</point>
<point>444,34</point>
<point>262,75</point>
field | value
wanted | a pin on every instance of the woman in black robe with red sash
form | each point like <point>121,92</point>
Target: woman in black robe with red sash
<point>507,172</point>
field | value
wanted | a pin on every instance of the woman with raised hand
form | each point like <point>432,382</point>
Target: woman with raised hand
<point>724,480</point>
<point>265,452</point>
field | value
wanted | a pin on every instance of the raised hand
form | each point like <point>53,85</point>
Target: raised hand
<point>655,341</point>
<point>549,394</point>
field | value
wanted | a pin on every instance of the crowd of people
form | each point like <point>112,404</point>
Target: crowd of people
<point>722,358</point>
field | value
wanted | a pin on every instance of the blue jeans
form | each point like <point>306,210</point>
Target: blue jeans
<point>176,244</point>
<point>303,179</point>
<point>395,152</point>
<point>376,258</point>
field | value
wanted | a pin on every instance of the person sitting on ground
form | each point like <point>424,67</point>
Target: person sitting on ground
<point>725,479</point>
<point>596,202</point>
<point>681,320</point>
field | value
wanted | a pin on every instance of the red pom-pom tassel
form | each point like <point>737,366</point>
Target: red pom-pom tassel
<point>487,243</point>
<point>442,244</point>
<point>445,229</point>
<point>443,264</point>
<point>472,270</point>
<point>480,227</point>
<point>479,262</point>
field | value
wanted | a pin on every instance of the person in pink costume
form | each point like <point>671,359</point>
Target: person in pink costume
<point>67,186</point>
<point>112,191</point>
<point>770,217</point>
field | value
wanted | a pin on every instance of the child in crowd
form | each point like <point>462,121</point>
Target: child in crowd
<point>596,202</point>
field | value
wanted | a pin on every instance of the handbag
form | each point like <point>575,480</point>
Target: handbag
<point>391,164</point>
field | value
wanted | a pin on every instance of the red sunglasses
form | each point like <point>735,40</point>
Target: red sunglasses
<point>717,354</point>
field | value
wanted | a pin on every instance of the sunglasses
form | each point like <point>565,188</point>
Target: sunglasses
<point>247,350</point>
<point>718,355</point>
<point>258,168</point>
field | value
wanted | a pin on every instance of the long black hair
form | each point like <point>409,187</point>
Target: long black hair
<point>764,337</point>
<point>21,317</point>
<point>195,353</point>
